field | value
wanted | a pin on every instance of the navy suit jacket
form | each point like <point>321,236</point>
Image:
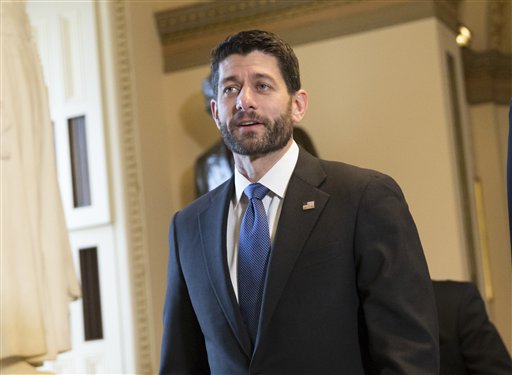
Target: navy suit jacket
<point>347,289</point>
<point>469,342</point>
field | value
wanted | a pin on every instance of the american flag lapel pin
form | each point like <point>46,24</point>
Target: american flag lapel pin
<point>308,205</point>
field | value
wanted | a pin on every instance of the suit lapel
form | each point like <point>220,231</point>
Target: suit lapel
<point>212,227</point>
<point>294,228</point>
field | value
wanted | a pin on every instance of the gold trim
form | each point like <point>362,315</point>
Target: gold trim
<point>484,241</point>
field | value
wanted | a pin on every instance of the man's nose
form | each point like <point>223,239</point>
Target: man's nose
<point>245,100</point>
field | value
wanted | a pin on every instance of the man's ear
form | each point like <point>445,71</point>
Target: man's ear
<point>299,105</point>
<point>215,112</point>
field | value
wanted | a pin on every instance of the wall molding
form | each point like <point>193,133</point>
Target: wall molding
<point>488,76</point>
<point>136,234</point>
<point>187,34</point>
<point>499,25</point>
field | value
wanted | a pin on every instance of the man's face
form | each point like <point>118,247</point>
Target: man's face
<point>254,111</point>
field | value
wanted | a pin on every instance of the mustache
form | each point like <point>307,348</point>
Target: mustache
<point>248,116</point>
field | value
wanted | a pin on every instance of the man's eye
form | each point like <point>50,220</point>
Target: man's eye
<point>230,90</point>
<point>263,86</point>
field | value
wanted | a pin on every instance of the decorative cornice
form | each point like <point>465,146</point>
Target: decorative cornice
<point>192,21</point>
<point>488,76</point>
<point>134,200</point>
<point>189,33</point>
<point>500,25</point>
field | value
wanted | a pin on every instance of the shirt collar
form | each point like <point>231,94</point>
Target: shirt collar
<point>276,179</point>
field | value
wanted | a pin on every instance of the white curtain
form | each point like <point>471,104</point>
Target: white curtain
<point>37,276</point>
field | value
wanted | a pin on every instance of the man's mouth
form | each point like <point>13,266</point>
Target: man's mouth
<point>248,123</point>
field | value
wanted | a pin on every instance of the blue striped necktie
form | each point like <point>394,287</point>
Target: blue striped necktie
<point>253,256</point>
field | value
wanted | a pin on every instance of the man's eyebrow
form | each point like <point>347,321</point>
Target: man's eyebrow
<point>234,78</point>
<point>229,79</point>
<point>264,76</point>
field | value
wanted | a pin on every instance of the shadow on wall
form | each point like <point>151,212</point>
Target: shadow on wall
<point>200,128</point>
<point>187,189</point>
<point>198,124</point>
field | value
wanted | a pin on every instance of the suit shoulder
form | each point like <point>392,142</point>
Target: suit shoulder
<point>357,177</point>
<point>336,174</point>
<point>338,167</point>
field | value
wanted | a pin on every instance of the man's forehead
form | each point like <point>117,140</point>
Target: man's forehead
<point>255,63</point>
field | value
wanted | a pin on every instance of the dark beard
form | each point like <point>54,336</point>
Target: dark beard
<point>278,133</point>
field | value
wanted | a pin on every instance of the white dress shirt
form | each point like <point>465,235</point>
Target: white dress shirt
<point>276,180</point>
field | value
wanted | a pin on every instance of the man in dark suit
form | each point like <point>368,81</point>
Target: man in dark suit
<point>469,342</point>
<point>335,283</point>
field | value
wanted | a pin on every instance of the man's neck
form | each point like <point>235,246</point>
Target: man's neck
<point>254,167</point>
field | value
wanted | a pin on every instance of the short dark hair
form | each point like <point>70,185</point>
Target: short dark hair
<point>246,42</point>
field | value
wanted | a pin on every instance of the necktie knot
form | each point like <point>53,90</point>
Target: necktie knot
<point>256,190</point>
